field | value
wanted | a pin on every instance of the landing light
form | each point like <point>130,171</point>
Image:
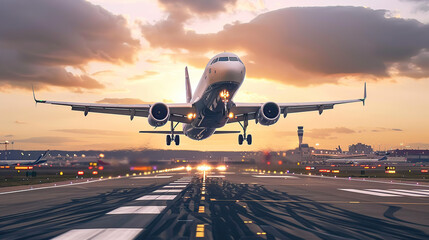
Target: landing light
<point>204,168</point>
<point>221,168</point>
<point>224,94</point>
<point>191,116</point>
<point>231,115</point>
<point>188,168</point>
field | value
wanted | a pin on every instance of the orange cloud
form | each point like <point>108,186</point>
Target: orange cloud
<point>308,45</point>
<point>201,7</point>
<point>39,39</point>
<point>143,76</point>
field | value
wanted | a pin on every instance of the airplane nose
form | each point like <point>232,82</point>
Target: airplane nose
<point>231,72</point>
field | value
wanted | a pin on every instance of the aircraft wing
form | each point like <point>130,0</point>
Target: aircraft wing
<point>178,111</point>
<point>251,109</point>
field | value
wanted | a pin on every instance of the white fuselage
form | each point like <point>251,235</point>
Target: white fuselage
<point>224,73</point>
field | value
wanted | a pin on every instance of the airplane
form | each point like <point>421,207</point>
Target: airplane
<point>41,159</point>
<point>385,158</point>
<point>356,160</point>
<point>210,107</point>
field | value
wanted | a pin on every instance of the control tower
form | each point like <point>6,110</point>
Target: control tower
<point>300,135</point>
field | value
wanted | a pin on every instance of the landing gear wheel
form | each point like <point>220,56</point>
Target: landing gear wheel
<point>240,139</point>
<point>249,139</point>
<point>177,140</point>
<point>168,140</point>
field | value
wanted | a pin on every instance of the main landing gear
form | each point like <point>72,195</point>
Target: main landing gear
<point>243,136</point>
<point>173,137</point>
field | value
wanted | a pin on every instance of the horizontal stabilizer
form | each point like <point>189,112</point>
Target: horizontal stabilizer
<point>226,132</point>
<point>162,132</point>
<point>181,132</point>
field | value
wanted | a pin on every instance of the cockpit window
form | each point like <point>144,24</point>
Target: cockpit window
<point>233,59</point>
<point>240,61</point>
<point>214,61</point>
<point>223,59</point>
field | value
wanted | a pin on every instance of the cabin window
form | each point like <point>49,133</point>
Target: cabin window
<point>233,59</point>
<point>210,70</point>
<point>214,61</point>
<point>223,59</point>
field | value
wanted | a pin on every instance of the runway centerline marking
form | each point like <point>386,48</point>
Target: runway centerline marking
<point>157,197</point>
<point>168,191</point>
<point>138,210</point>
<point>174,186</point>
<point>100,234</point>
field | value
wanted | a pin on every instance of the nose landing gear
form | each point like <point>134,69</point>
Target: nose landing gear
<point>242,137</point>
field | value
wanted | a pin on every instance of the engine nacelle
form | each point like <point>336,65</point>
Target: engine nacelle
<point>159,114</point>
<point>268,114</point>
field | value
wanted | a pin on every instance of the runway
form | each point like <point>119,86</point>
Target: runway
<point>219,206</point>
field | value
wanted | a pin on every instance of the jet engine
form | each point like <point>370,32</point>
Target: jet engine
<point>159,114</point>
<point>268,114</point>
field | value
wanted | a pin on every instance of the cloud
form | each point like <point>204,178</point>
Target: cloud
<point>20,122</point>
<point>104,72</point>
<point>308,45</point>
<point>201,7</point>
<point>422,5</point>
<point>323,133</point>
<point>382,129</point>
<point>90,131</point>
<point>39,39</point>
<point>122,101</point>
<point>146,74</point>
<point>8,136</point>
<point>47,140</point>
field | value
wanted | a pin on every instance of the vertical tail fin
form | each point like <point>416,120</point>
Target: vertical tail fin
<point>188,86</point>
<point>41,157</point>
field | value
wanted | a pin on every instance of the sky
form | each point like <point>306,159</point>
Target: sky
<point>135,51</point>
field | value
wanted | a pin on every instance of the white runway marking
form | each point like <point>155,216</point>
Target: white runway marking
<point>272,176</point>
<point>390,192</point>
<point>218,176</point>
<point>138,210</point>
<point>152,177</point>
<point>157,197</point>
<point>174,186</point>
<point>398,192</point>
<point>56,186</point>
<point>178,183</point>
<point>100,234</point>
<point>370,193</point>
<point>417,184</point>
<point>168,191</point>
<point>416,191</point>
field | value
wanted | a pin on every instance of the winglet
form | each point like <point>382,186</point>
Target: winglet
<point>188,86</point>
<point>34,97</point>
<point>364,94</point>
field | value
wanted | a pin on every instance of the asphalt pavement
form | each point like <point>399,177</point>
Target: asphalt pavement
<point>231,205</point>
